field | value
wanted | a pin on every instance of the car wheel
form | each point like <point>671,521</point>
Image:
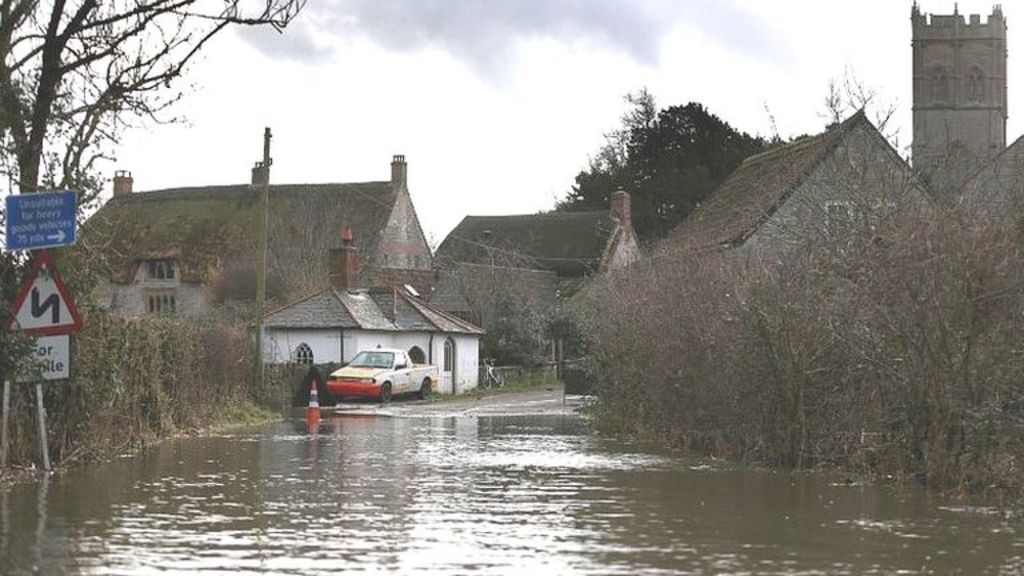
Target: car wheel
<point>385,393</point>
<point>425,389</point>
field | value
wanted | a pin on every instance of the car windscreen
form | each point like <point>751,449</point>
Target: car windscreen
<point>373,360</point>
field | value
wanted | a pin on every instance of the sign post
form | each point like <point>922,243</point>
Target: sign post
<point>3,431</point>
<point>43,307</point>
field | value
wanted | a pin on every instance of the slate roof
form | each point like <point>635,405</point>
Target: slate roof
<point>569,243</point>
<point>320,310</point>
<point>386,310</point>
<point>760,185</point>
<point>202,226</point>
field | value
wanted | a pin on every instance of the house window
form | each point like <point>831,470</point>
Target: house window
<point>161,303</point>
<point>160,269</point>
<point>417,356</point>
<point>303,354</point>
<point>449,355</point>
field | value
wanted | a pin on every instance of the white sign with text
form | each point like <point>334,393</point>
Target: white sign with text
<point>52,358</point>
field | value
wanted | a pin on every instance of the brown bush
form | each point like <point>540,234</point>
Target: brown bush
<point>133,381</point>
<point>897,351</point>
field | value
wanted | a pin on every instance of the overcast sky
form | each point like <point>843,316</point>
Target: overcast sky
<point>497,104</point>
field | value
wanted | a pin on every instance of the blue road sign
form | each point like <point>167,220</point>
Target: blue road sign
<point>40,220</point>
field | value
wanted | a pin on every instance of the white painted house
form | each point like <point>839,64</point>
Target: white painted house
<point>333,325</point>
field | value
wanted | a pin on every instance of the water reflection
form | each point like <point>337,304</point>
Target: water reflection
<point>501,495</point>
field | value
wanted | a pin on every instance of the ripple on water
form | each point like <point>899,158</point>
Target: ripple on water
<point>480,495</point>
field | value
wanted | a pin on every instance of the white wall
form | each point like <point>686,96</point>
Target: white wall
<point>279,344</point>
<point>467,360</point>
<point>467,357</point>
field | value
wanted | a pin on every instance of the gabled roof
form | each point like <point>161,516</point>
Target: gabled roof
<point>202,226</point>
<point>569,243</point>
<point>760,185</point>
<point>385,310</point>
<point>997,188</point>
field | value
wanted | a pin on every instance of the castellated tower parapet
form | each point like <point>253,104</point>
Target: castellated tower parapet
<point>960,105</point>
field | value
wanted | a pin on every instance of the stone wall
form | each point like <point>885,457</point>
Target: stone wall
<point>862,182</point>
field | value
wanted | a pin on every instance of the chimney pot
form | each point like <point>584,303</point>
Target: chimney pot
<point>399,171</point>
<point>343,263</point>
<point>122,182</point>
<point>259,174</point>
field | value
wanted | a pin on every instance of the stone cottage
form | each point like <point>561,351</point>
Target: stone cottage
<point>511,274</point>
<point>186,250</point>
<point>805,194</point>
<point>570,245</point>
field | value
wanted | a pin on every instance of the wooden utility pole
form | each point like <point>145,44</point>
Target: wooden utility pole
<point>261,271</point>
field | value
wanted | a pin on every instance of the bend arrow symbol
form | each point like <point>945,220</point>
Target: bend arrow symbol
<point>58,237</point>
<point>52,302</point>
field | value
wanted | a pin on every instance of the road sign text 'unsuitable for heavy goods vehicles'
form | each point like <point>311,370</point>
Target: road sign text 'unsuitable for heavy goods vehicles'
<point>41,220</point>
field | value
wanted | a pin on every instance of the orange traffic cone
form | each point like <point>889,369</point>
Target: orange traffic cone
<point>313,411</point>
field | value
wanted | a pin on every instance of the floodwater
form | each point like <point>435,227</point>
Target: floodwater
<point>480,495</point>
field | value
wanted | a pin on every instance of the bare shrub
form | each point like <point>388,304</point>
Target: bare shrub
<point>136,380</point>
<point>895,352</point>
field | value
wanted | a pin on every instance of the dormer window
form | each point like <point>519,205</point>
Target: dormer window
<point>160,269</point>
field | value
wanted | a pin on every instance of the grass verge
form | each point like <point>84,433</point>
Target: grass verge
<point>241,415</point>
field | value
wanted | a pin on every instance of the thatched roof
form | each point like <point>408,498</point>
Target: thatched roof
<point>205,226</point>
<point>568,243</point>
<point>758,188</point>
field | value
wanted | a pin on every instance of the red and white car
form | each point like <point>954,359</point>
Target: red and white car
<point>381,374</point>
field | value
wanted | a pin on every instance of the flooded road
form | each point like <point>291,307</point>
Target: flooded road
<point>488,495</point>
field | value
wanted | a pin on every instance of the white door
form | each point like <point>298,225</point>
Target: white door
<point>448,367</point>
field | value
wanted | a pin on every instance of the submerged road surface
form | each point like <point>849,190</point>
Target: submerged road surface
<point>464,492</point>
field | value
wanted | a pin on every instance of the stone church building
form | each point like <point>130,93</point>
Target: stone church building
<point>959,95</point>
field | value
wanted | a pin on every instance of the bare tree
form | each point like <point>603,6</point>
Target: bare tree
<point>75,73</point>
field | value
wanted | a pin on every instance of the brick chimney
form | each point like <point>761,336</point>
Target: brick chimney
<point>399,171</point>
<point>620,208</point>
<point>343,263</point>
<point>122,182</point>
<point>259,174</point>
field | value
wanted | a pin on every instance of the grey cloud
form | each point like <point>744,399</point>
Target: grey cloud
<point>297,42</point>
<point>484,33</point>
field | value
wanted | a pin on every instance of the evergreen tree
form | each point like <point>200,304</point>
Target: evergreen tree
<point>668,160</point>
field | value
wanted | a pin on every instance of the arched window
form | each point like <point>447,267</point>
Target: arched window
<point>976,85</point>
<point>303,354</point>
<point>449,355</point>
<point>417,356</point>
<point>939,84</point>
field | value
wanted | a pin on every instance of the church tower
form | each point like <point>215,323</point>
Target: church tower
<point>959,94</point>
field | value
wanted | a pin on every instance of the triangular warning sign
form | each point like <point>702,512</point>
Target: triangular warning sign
<point>44,304</point>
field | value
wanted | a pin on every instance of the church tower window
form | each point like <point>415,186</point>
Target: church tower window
<point>975,85</point>
<point>940,85</point>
